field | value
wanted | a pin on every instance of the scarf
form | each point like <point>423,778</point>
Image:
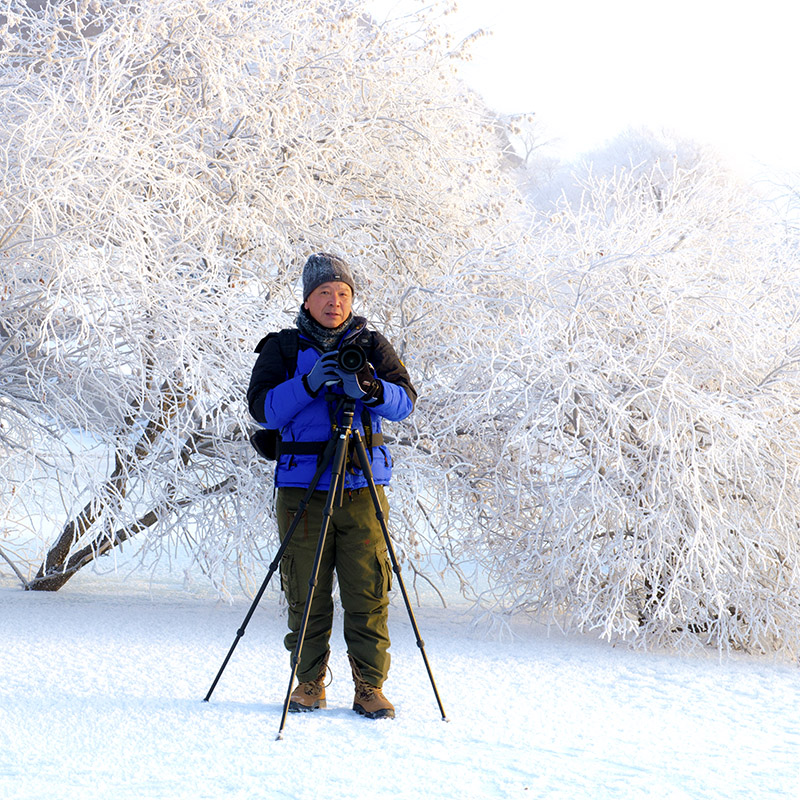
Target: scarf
<point>326,338</point>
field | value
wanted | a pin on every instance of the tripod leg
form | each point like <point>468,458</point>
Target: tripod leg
<point>367,470</point>
<point>275,563</point>
<point>337,478</point>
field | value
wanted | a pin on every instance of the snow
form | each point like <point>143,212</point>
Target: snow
<point>102,686</point>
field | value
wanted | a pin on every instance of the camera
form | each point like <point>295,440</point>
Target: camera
<point>352,358</point>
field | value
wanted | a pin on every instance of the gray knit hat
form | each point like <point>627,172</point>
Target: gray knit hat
<point>323,267</point>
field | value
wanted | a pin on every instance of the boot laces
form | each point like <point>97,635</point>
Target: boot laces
<point>316,685</point>
<point>367,691</point>
<point>329,675</point>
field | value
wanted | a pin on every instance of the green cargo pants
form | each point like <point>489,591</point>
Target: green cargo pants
<point>356,550</point>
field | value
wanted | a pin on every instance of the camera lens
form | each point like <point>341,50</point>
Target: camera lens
<point>352,358</point>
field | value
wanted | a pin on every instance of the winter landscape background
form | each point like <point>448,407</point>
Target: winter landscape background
<point>595,502</point>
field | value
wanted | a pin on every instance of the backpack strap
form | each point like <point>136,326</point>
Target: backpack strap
<point>317,448</point>
<point>288,344</point>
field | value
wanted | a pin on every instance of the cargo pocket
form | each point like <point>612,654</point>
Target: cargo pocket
<point>385,570</point>
<point>289,582</point>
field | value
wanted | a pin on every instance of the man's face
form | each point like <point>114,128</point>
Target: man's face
<point>330,303</point>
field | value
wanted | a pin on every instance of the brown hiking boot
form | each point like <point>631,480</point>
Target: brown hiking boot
<point>310,695</point>
<point>369,701</point>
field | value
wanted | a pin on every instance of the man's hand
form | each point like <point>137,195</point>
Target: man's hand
<point>324,371</point>
<point>362,385</point>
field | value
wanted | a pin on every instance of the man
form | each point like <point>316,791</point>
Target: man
<point>304,402</point>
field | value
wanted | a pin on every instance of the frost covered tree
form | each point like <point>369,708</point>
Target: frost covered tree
<point>166,169</point>
<point>642,402</point>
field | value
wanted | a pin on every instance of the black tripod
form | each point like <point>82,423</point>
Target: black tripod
<point>335,454</point>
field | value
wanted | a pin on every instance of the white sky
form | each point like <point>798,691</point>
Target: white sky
<point>724,73</point>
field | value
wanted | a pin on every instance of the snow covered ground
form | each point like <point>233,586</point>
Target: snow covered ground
<point>101,689</point>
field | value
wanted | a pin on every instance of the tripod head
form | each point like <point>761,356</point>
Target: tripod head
<point>345,405</point>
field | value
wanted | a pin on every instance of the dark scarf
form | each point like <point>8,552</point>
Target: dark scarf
<point>326,338</point>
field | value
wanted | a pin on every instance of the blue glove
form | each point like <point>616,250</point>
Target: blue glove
<point>362,385</point>
<point>324,371</point>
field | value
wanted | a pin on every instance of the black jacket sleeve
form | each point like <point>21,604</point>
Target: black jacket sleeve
<point>268,371</point>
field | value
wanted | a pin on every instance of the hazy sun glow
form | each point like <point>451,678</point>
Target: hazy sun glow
<point>718,72</point>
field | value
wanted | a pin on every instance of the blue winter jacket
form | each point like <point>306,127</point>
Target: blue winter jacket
<point>279,400</point>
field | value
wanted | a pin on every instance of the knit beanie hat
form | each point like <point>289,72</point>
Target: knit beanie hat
<point>322,268</point>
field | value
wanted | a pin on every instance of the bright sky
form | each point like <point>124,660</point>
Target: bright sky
<point>723,72</point>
